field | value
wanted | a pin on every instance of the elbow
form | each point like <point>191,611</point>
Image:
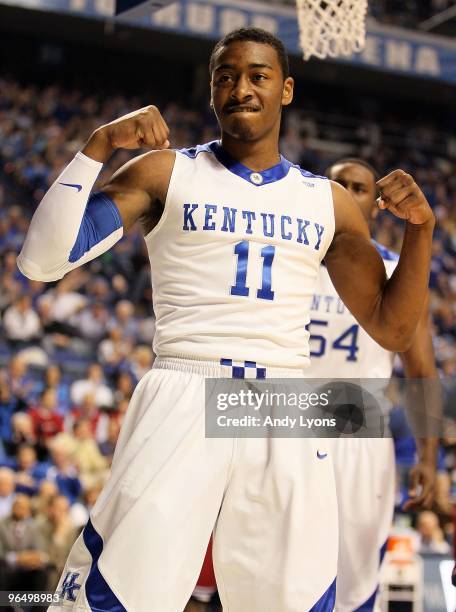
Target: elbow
<point>396,340</point>
<point>401,345</point>
<point>35,272</point>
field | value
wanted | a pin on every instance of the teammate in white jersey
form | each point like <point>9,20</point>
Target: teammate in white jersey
<point>365,470</point>
<point>236,235</point>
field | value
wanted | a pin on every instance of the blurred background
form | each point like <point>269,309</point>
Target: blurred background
<point>72,352</point>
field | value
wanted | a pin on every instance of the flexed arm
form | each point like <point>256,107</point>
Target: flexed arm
<point>389,310</point>
<point>71,227</point>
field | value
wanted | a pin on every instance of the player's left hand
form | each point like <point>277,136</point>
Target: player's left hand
<point>421,487</point>
<point>401,195</point>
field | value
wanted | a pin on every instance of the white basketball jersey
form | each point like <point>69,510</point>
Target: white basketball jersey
<point>235,259</point>
<point>339,346</point>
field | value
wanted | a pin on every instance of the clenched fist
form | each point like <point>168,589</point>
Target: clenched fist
<point>144,128</point>
<point>401,195</point>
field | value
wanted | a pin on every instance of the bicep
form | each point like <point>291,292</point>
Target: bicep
<point>356,269</point>
<point>139,184</point>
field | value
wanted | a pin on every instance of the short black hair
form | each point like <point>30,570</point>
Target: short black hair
<point>257,35</point>
<point>354,160</point>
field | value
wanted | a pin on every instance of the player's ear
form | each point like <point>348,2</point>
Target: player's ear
<point>211,101</point>
<point>287,92</point>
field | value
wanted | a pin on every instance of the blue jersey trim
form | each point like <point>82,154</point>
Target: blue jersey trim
<point>277,172</point>
<point>308,174</point>
<point>327,600</point>
<point>258,179</point>
<point>384,252</point>
<point>98,592</point>
<point>193,152</point>
<point>368,605</point>
<point>101,218</point>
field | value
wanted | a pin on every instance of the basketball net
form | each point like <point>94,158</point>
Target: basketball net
<point>332,27</point>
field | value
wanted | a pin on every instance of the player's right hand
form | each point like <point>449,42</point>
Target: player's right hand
<point>144,128</point>
<point>421,487</point>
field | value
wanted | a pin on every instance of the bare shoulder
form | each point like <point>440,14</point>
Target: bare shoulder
<point>348,217</point>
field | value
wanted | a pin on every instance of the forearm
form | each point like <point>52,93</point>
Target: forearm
<point>403,296</point>
<point>423,404</point>
<point>98,147</point>
<point>65,232</point>
<point>423,398</point>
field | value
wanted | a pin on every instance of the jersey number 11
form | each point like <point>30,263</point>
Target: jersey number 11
<point>240,288</point>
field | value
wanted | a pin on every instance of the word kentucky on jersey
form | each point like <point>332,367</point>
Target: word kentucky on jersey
<point>329,304</point>
<point>228,219</point>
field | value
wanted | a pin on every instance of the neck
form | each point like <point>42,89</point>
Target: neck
<point>257,155</point>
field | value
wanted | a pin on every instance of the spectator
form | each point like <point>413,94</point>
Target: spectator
<point>91,464</point>
<point>64,303</point>
<point>93,384</point>
<point>90,411</point>
<point>80,511</point>
<point>21,431</point>
<point>63,470</point>
<point>21,323</point>
<point>11,286</point>
<point>122,408</point>
<point>124,320</point>
<point>124,387</point>
<point>98,290</point>
<point>19,381</point>
<point>8,406</point>
<point>91,322</point>
<point>108,446</point>
<point>7,486</point>
<point>59,535</point>
<point>141,362</point>
<point>53,379</point>
<point>46,490</point>
<point>431,535</point>
<point>29,471</point>
<point>113,351</point>
<point>47,422</point>
<point>22,549</point>
<point>146,330</point>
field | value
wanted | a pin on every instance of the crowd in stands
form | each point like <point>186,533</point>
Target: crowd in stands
<point>406,13</point>
<point>71,352</point>
<point>402,13</point>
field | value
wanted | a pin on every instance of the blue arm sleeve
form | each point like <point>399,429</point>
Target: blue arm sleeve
<point>101,218</point>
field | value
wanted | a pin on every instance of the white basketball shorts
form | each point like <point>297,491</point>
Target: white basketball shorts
<point>365,481</point>
<point>270,502</point>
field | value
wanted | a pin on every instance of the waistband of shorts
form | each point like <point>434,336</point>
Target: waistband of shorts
<point>226,368</point>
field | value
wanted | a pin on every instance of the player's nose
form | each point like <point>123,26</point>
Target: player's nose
<point>242,88</point>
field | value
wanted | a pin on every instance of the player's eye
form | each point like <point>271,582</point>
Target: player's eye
<point>259,77</point>
<point>223,78</point>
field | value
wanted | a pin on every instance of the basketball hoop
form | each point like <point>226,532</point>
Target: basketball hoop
<point>332,27</point>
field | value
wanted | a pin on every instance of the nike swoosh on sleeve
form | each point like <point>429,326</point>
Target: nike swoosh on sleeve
<point>78,187</point>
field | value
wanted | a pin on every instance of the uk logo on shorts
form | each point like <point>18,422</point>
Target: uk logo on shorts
<point>69,585</point>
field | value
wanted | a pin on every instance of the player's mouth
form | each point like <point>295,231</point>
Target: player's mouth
<point>241,109</point>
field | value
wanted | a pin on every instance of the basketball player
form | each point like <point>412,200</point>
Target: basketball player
<point>365,470</point>
<point>235,235</point>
